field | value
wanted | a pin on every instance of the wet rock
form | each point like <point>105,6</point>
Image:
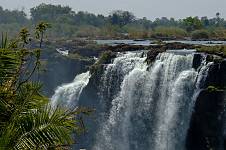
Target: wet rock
<point>217,75</point>
<point>178,45</point>
<point>152,54</point>
<point>207,122</point>
<point>162,46</point>
<point>125,47</point>
<point>197,60</point>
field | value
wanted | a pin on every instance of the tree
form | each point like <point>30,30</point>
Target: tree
<point>121,18</point>
<point>218,19</point>
<point>50,13</point>
<point>205,21</point>
<point>27,121</point>
<point>15,16</point>
<point>192,23</point>
<point>40,29</point>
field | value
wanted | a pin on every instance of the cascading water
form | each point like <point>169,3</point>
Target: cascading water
<point>146,107</point>
<point>68,94</point>
<point>115,73</point>
<point>151,106</point>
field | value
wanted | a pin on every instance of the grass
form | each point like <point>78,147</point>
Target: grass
<point>169,32</point>
<point>218,50</point>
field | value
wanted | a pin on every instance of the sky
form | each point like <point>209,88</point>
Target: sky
<point>141,8</point>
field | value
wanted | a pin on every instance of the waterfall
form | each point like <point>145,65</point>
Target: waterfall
<point>114,74</point>
<point>150,105</point>
<point>68,94</point>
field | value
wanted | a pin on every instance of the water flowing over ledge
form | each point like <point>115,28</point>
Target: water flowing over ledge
<point>149,106</point>
<point>68,94</point>
<point>153,107</point>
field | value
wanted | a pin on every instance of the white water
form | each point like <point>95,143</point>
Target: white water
<point>115,73</point>
<point>68,94</point>
<point>152,108</point>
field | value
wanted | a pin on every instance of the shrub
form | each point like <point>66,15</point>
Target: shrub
<point>105,58</point>
<point>218,50</point>
<point>169,32</point>
<point>199,34</point>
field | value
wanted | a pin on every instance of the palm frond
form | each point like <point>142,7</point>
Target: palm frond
<point>9,62</point>
<point>46,127</point>
<point>4,40</point>
<point>30,96</point>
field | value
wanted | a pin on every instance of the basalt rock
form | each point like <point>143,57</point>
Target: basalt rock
<point>178,45</point>
<point>217,75</point>
<point>206,129</point>
<point>197,60</point>
<point>125,47</point>
<point>152,54</point>
<point>162,47</point>
<point>207,122</point>
<point>59,70</point>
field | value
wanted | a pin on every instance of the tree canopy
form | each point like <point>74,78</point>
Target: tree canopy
<point>68,23</point>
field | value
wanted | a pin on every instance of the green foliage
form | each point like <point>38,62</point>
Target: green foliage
<point>218,50</point>
<point>169,32</point>
<point>213,89</point>
<point>40,30</point>
<point>24,34</point>
<point>105,58</point>
<point>192,23</point>
<point>217,33</point>
<point>118,25</point>
<point>9,61</point>
<point>200,34</point>
<point>121,18</point>
<point>15,16</point>
<point>4,40</point>
<point>27,121</point>
<point>48,12</point>
<point>41,128</point>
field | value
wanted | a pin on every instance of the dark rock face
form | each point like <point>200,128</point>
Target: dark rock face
<point>59,70</point>
<point>90,98</point>
<point>197,60</point>
<point>207,122</point>
<point>206,125</point>
<point>217,75</point>
<point>88,52</point>
<point>152,54</point>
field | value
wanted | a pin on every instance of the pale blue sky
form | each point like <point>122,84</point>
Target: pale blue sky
<point>141,8</point>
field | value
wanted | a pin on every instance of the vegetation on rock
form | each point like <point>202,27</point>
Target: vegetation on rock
<point>105,58</point>
<point>217,50</point>
<point>213,89</point>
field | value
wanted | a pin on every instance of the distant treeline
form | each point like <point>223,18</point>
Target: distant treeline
<point>67,24</point>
